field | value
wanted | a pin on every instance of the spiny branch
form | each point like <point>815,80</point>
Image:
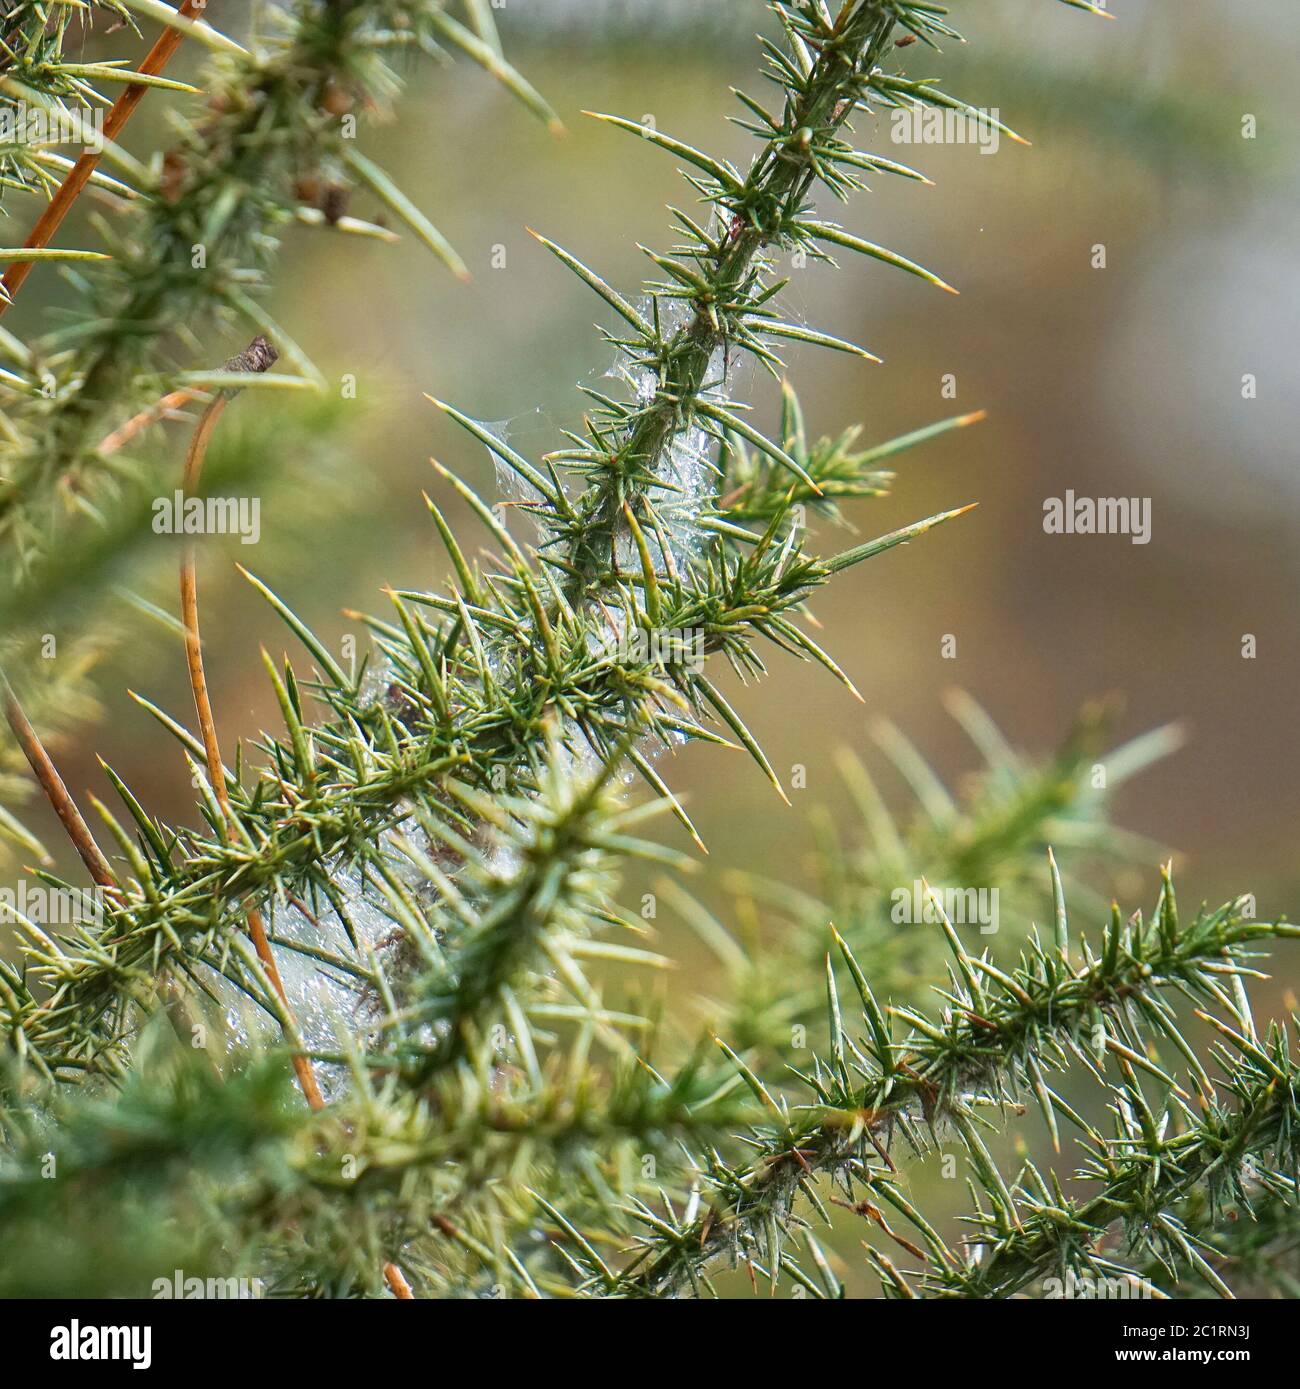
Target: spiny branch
<point>1002,1032</point>
<point>121,111</point>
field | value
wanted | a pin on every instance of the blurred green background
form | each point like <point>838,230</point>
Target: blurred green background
<point>1125,380</point>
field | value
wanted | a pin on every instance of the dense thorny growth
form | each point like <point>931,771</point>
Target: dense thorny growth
<point>434,845</point>
<point>194,237</point>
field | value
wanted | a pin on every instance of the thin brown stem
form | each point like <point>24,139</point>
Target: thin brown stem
<point>78,176</point>
<point>258,357</point>
<point>208,728</point>
<point>55,791</point>
<point>159,410</point>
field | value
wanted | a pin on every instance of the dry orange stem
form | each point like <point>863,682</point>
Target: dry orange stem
<point>302,1066</point>
<point>78,176</point>
<point>124,433</point>
<point>208,728</point>
<point>56,792</point>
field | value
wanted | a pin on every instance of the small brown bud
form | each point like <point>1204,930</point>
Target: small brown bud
<point>335,203</point>
<point>257,357</point>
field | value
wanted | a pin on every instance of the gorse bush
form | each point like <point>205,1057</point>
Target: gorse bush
<point>405,907</point>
